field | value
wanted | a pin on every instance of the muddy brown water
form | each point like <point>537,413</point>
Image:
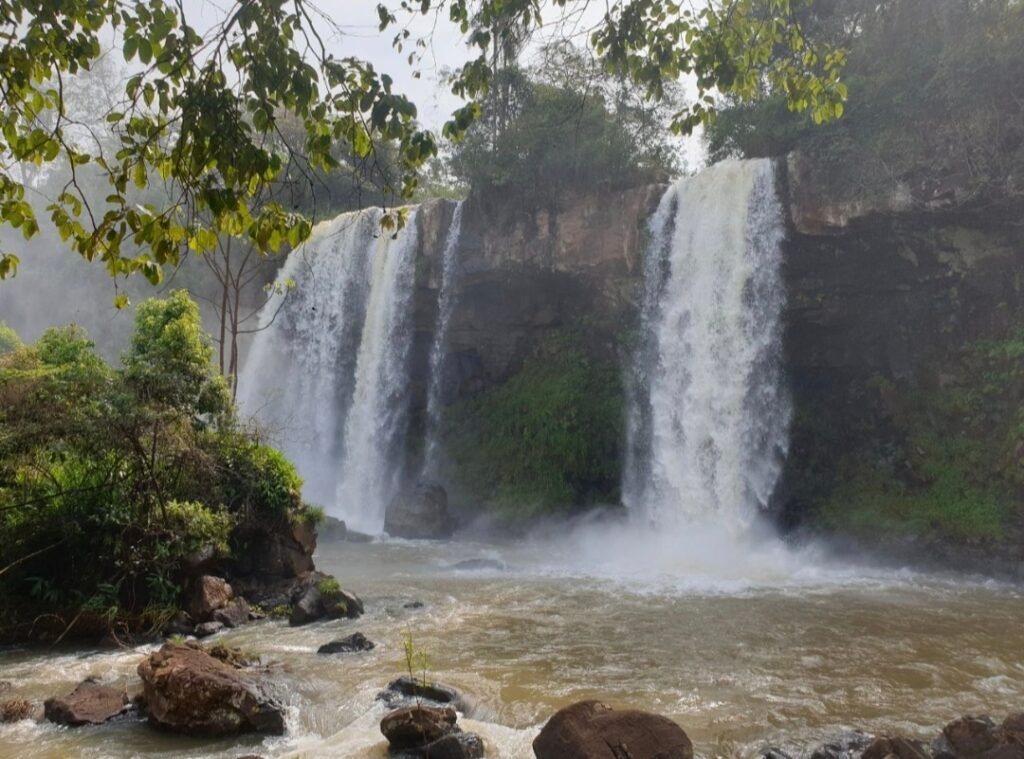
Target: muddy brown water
<point>744,646</point>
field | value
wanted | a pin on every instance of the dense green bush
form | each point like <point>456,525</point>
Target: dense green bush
<point>110,478</point>
<point>544,441</point>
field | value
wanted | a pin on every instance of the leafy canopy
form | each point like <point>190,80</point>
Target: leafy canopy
<point>200,113</point>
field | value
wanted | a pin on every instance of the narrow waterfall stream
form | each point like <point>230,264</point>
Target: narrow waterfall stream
<point>708,414</point>
<point>445,307</point>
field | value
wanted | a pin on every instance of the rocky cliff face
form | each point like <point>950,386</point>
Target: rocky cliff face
<point>905,314</point>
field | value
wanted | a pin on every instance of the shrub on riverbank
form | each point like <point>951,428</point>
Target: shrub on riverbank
<point>111,478</point>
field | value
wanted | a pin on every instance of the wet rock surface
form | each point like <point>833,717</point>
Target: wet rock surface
<point>88,704</point>
<point>419,513</point>
<point>353,643</point>
<point>415,727</point>
<point>188,691</point>
<point>405,689</point>
<point>593,730</point>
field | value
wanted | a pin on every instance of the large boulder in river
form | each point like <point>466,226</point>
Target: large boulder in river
<point>592,730</point>
<point>323,598</point>
<point>419,513</point>
<point>88,704</point>
<point>188,691</point>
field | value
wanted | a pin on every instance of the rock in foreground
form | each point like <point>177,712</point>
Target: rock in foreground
<point>188,691</point>
<point>592,730</point>
<point>88,704</point>
<point>414,727</point>
<point>420,513</point>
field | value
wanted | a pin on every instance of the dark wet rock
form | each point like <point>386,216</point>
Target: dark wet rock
<point>324,599</point>
<point>15,709</point>
<point>275,551</point>
<point>847,745</point>
<point>88,704</point>
<point>188,691</point>
<point>592,730</point>
<point>969,736</point>
<point>5,685</point>
<point>405,689</point>
<point>180,624</point>
<point>774,752</point>
<point>455,745</point>
<point>206,629</point>
<point>1012,729</point>
<point>413,605</point>
<point>350,644</point>
<point>419,513</point>
<point>236,613</point>
<point>354,536</point>
<point>414,727</point>
<point>476,565</point>
<point>208,594</point>
<point>331,530</point>
<point>902,748</point>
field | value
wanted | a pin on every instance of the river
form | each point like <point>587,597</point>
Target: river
<point>744,643</point>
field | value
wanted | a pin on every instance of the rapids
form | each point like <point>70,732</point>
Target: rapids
<point>744,646</point>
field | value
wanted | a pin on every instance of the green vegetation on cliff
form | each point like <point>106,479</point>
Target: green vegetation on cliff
<point>544,441</point>
<point>945,461</point>
<point>111,478</point>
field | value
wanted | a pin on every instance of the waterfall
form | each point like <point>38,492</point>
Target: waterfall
<point>708,415</point>
<point>445,306</point>
<point>328,371</point>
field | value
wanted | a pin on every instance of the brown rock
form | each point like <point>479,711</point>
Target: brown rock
<point>901,748</point>
<point>592,730</point>
<point>234,614</point>
<point>15,709</point>
<point>1012,729</point>
<point>88,704</point>
<point>416,726</point>
<point>971,735</point>
<point>209,594</point>
<point>187,690</point>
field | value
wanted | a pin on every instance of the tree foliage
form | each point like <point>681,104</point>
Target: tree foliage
<point>111,478</point>
<point>202,112</point>
<point>936,92</point>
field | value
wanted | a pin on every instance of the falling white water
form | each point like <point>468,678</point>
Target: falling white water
<point>328,374</point>
<point>708,417</point>
<point>445,306</point>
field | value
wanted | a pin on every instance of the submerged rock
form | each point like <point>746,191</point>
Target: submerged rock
<point>476,565</point>
<point>351,644</point>
<point>455,745</point>
<point>420,513</point>
<point>188,691</point>
<point>592,730</point>
<point>309,597</point>
<point>968,736</point>
<point>901,748</point>
<point>848,745</point>
<point>88,704</point>
<point>414,727</point>
<point>405,688</point>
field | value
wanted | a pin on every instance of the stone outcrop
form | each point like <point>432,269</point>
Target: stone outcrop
<point>90,703</point>
<point>208,594</point>
<point>420,512</point>
<point>592,730</point>
<point>188,691</point>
